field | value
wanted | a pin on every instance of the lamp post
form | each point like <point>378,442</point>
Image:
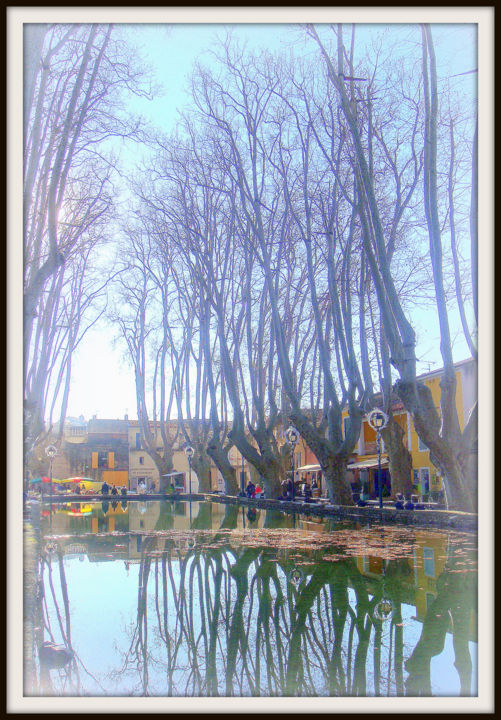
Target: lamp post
<point>242,479</point>
<point>292,436</point>
<point>378,420</point>
<point>189,454</point>
<point>51,452</point>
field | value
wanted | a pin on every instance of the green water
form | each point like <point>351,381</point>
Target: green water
<point>168,599</point>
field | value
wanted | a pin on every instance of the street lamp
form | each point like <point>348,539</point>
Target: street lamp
<point>378,420</point>
<point>51,452</point>
<point>189,454</point>
<point>292,436</point>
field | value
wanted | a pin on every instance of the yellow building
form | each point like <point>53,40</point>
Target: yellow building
<point>425,476</point>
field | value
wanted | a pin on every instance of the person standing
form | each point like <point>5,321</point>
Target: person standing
<point>250,489</point>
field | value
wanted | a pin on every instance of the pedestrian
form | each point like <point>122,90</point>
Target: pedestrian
<point>250,489</point>
<point>105,488</point>
<point>308,495</point>
<point>114,490</point>
<point>123,490</point>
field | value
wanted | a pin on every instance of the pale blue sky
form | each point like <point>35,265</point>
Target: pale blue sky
<point>102,384</point>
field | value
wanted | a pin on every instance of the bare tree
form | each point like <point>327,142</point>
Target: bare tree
<point>143,313</point>
<point>450,449</point>
<point>74,75</point>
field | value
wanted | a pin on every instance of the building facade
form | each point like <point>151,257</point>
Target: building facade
<point>426,478</point>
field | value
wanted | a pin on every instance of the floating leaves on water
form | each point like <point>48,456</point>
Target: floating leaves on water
<point>455,552</point>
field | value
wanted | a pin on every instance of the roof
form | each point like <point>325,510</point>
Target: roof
<point>439,371</point>
<point>107,426</point>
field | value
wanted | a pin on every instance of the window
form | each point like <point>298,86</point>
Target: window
<point>430,598</point>
<point>138,441</point>
<point>141,459</point>
<point>298,459</point>
<point>415,478</point>
<point>102,459</point>
<point>421,446</point>
<point>429,562</point>
<point>346,426</point>
<point>425,480</point>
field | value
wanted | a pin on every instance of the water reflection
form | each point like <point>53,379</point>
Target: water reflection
<point>223,603</point>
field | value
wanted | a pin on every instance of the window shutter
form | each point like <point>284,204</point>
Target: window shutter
<point>94,459</point>
<point>111,460</point>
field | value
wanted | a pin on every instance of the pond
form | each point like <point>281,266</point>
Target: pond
<point>207,599</point>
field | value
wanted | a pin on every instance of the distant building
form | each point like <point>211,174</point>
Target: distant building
<point>97,449</point>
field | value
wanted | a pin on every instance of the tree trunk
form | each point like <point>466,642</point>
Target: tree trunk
<point>338,486</point>
<point>454,460</point>
<point>219,455</point>
<point>201,465</point>
<point>400,459</point>
<point>333,464</point>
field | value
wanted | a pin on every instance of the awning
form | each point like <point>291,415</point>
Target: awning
<point>368,464</point>
<point>308,468</point>
<point>44,479</point>
<point>76,480</point>
<point>172,474</point>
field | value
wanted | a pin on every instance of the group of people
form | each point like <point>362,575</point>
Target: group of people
<point>287,493</point>
<point>112,489</point>
<point>254,491</point>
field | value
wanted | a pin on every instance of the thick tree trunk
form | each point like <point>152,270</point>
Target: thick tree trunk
<point>453,459</point>
<point>265,462</point>
<point>164,466</point>
<point>339,488</point>
<point>400,459</point>
<point>219,455</point>
<point>270,470</point>
<point>201,465</point>
<point>333,464</point>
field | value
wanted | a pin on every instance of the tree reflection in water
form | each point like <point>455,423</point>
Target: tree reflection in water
<point>268,613</point>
